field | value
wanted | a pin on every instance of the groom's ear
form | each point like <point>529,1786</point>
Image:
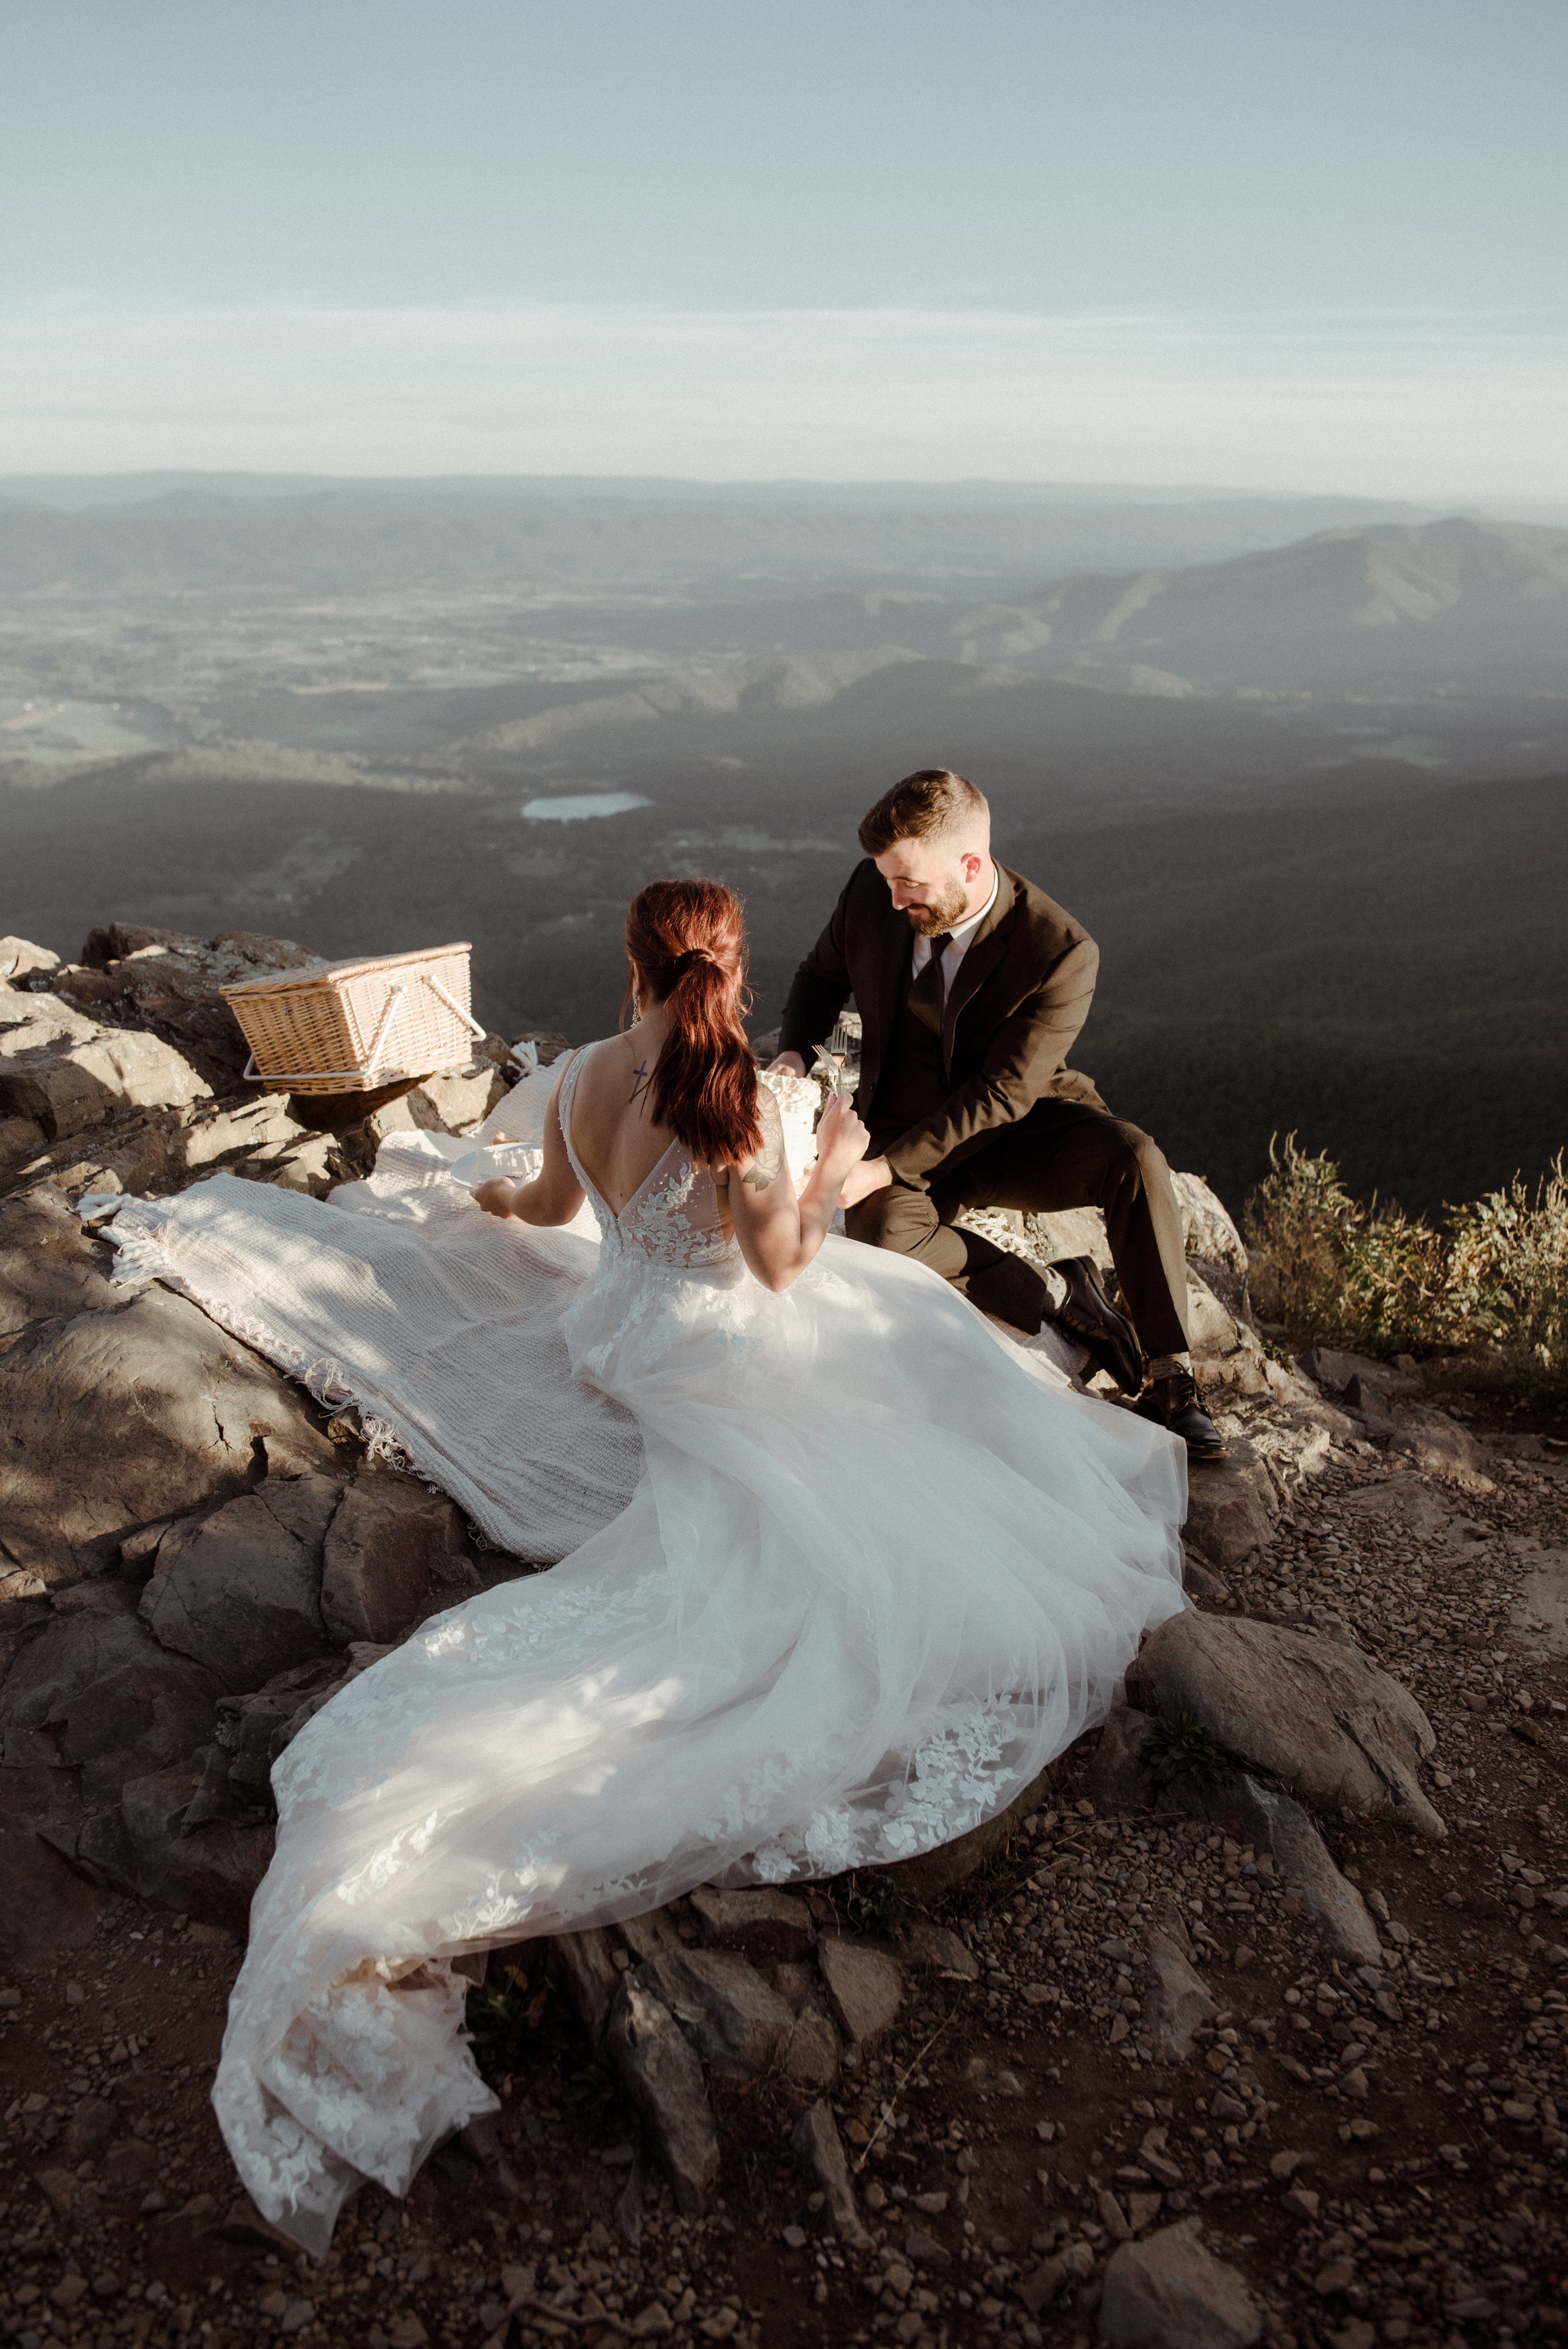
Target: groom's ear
<point>971,863</point>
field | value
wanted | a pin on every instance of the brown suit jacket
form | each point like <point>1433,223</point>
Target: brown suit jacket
<point>1022,993</point>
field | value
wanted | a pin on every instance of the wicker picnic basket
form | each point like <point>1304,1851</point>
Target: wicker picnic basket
<point>349,1027</point>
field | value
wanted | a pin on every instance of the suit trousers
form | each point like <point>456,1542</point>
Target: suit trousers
<point>1064,1153</point>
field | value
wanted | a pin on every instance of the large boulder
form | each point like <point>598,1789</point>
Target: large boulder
<point>220,1133</point>
<point>458,1100</point>
<point>1439,1447</point>
<point>21,1140</point>
<point>169,983</point>
<point>21,961</point>
<point>737,2022</point>
<point>66,1074</point>
<point>1318,1714</point>
<point>253,1729</point>
<point>1168,2293</point>
<point>584,1965</point>
<point>1226,1352</point>
<point>1229,1505</point>
<point>88,1698</point>
<point>1333,1368</point>
<point>209,1869</point>
<point>395,1554</point>
<point>239,1590</point>
<point>115,1418</point>
<point>107,1698</point>
<point>1208,1232</point>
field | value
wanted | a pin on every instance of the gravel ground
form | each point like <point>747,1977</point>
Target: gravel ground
<point>1381,2157</point>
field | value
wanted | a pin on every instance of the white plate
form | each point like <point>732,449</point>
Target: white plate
<point>515,1159</point>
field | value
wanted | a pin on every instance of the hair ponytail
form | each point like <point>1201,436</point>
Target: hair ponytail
<point>686,941</point>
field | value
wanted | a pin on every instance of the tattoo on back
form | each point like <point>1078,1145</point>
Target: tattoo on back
<point>642,1077</point>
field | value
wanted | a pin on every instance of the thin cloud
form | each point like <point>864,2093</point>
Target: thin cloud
<point>1418,402</point>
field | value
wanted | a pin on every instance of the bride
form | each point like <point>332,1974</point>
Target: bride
<point>879,1566</point>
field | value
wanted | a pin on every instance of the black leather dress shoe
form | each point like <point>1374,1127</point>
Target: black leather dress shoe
<point>1089,1316</point>
<point>1175,1404</point>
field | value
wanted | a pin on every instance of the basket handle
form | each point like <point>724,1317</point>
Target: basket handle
<point>475,1027</point>
<point>388,1013</point>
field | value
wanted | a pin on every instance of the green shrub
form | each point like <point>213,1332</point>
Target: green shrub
<point>1492,1281</point>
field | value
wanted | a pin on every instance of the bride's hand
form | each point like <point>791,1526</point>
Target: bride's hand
<point>495,1197</point>
<point>843,1141</point>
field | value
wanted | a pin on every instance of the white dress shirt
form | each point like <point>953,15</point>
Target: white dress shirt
<point>958,943</point>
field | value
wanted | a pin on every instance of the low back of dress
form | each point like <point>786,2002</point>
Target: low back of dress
<point>673,1217</point>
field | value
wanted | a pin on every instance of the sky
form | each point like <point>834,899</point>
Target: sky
<point>1289,244</point>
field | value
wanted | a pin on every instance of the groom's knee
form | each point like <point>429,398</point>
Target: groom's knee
<point>900,1217</point>
<point>1134,1161</point>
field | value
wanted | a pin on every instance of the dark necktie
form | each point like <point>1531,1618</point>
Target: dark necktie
<point>927,991</point>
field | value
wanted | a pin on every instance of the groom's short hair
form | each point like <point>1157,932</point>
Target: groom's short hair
<point>933,800</point>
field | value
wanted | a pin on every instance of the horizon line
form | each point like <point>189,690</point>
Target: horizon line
<point>1176,492</point>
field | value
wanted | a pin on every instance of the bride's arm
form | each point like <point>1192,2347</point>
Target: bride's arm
<point>778,1233</point>
<point>554,1194</point>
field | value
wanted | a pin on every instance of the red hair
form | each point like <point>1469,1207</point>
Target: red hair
<point>686,941</point>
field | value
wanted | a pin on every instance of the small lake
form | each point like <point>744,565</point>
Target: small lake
<point>574,807</point>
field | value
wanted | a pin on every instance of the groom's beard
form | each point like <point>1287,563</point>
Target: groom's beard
<point>944,913</point>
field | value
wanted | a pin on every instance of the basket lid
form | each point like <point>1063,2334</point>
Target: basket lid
<point>285,982</point>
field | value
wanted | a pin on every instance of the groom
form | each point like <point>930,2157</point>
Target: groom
<point>972,986</point>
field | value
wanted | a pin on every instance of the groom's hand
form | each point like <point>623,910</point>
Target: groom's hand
<point>870,1174</point>
<point>789,1064</point>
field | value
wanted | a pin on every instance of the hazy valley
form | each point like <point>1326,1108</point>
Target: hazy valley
<point>1282,756</point>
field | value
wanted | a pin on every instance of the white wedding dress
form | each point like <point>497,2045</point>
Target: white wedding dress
<point>877,1565</point>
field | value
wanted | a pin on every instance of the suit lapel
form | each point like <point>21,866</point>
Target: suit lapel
<point>985,951</point>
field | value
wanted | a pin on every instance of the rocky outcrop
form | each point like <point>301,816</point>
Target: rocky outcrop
<point>169,983</point>
<point>393,1555</point>
<point>124,1414</point>
<point>240,1589</point>
<point>61,1072</point>
<point>90,1700</point>
<point>1302,1859</point>
<point>141,1445</point>
<point>1311,1712</point>
<point>807,2000</point>
<point>127,1415</point>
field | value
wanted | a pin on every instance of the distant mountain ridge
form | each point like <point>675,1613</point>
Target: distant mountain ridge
<point>1340,607</point>
<point>349,539</point>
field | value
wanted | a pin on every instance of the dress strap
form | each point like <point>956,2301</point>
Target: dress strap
<point>564,1091</point>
